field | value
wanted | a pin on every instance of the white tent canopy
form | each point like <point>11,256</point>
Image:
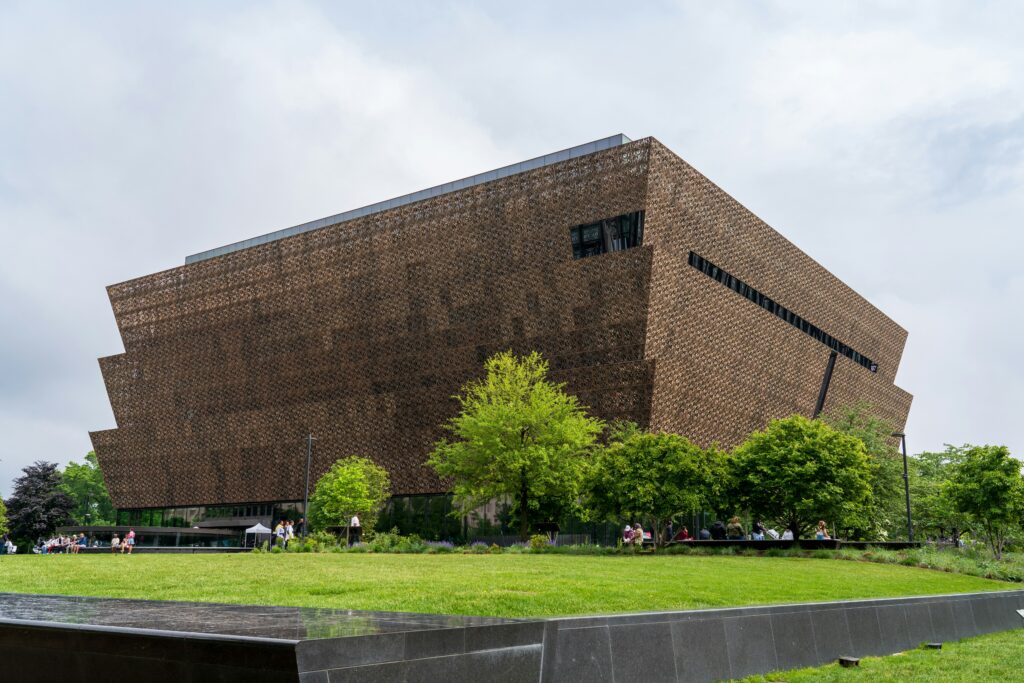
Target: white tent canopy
<point>258,529</point>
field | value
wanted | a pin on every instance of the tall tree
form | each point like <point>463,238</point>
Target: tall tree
<point>38,505</point>
<point>3,517</point>
<point>353,486</point>
<point>886,514</point>
<point>799,471</point>
<point>84,485</point>
<point>929,501</point>
<point>519,437</point>
<point>656,477</point>
<point>987,485</point>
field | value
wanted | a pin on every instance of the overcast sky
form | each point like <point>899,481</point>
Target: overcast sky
<point>884,139</point>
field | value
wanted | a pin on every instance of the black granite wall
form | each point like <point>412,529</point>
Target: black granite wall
<point>715,645</point>
<point>68,639</point>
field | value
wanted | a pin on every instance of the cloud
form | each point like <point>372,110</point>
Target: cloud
<point>123,157</point>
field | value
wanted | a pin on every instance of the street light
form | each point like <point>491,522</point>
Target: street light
<point>305,499</point>
<point>906,485</point>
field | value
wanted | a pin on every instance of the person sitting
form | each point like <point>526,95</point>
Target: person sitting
<point>115,543</point>
<point>682,535</point>
<point>822,532</point>
<point>734,531</point>
<point>787,535</point>
<point>638,535</point>
<point>704,535</point>
<point>757,531</point>
<point>627,535</point>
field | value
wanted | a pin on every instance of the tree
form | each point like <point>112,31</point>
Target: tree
<point>3,517</point>
<point>799,471</point>
<point>986,485</point>
<point>353,486</point>
<point>38,505</point>
<point>886,514</point>
<point>929,502</point>
<point>84,485</point>
<point>518,437</point>
<point>653,476</point>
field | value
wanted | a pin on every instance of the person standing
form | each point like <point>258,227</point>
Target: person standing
<point>355,530</point>
<point>289,533</point>
<point>279,533</point>
<point>130,540</point>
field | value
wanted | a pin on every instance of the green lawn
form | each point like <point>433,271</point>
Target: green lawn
<point>995,657</point>
<point>498,585</point>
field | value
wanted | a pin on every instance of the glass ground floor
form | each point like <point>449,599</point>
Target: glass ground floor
<point>431,517</point>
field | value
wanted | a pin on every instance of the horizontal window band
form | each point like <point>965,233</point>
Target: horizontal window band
<point>778,310</point>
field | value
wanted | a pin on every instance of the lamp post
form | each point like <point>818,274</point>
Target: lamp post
<point>906,485</point>
<point>305,498</point>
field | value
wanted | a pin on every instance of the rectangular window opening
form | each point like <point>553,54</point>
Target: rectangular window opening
<point>777,309</point>
<point>611,234</point>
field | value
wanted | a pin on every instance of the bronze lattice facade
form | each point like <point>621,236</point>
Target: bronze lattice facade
<point>361,331</point>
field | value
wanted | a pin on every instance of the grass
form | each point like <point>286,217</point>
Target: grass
<point>995,657</point>
<point>498,585</point>
<point>969,561</point>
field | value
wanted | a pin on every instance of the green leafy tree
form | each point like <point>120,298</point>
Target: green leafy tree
<point>799,471</point>
<point>38,505</point>
<point>353,486</point>
<point>886,513</point>
<point>986,485</point>
<point>3,517</point>
<point>518,437</point>
<point>929,502</point>
<point>656,477</point>
<point>84,485</point>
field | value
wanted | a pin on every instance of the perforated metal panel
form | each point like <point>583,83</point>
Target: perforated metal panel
<point>361,332</point>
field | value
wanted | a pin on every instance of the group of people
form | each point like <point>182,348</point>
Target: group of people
<point>284,532</point>
<point>125,545</point>
<point>633,535</point>
<point>61,544</point>
<point>7,546</point>
<point>733,531</point>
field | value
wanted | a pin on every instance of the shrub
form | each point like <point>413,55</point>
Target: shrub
<point>384,541</point>
<point>322,541</point>
<point>540,543</point>
<point>438,547</point>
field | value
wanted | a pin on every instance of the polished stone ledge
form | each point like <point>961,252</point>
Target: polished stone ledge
<point>99,639</point>
<point>57,638</point>
<point>722,644</point>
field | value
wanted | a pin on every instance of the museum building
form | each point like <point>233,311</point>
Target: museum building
<point>655,296</point>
